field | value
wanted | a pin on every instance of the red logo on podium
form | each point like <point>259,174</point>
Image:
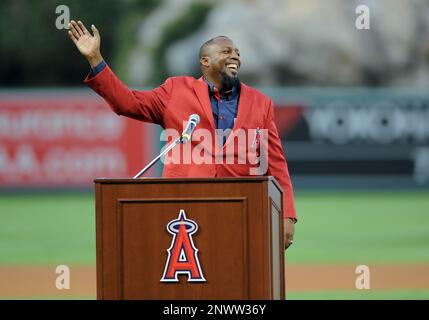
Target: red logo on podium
<point>182,254</point>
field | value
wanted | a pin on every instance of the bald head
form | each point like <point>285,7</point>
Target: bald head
<point>205,47</point>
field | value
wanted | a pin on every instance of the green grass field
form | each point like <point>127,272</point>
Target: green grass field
<point>373,227</point>
<point>334,227</point>
<point>44,229</point>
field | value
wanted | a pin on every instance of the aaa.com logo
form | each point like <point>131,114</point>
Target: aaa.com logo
<point>182,254</point>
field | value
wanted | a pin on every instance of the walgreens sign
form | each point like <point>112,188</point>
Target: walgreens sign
<point>66,140</point>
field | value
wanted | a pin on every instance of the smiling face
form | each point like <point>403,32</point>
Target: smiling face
<point>220,61</point>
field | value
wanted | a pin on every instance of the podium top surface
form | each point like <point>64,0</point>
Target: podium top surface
<point>188,180</point>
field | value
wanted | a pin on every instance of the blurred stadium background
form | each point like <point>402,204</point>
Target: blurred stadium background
<point>352,109</point>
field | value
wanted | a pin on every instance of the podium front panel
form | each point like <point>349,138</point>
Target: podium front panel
<point>144,240</point>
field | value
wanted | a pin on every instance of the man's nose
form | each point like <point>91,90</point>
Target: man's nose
<point>235,56</point>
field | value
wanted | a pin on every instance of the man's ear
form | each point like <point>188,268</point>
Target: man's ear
<point>205,61</point>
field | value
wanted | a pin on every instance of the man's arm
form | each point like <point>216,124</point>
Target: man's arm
<point>277,167</point>
<point>147,106</point>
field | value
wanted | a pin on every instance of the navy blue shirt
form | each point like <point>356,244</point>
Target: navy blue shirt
<point>98,68</point>
<point>224,105</point>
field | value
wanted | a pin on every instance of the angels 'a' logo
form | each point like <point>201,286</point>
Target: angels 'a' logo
<point>182,254</point>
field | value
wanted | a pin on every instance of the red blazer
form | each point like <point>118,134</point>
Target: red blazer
<point>179,97</point>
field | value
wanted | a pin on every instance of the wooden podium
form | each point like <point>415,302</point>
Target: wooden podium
<point>235,225</point>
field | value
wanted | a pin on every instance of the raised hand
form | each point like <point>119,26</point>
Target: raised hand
<point>87,44</point>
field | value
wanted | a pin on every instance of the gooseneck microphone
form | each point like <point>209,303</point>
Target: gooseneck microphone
<point>185,137</point>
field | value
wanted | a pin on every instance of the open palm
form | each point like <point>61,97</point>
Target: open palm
<point>87,44</point>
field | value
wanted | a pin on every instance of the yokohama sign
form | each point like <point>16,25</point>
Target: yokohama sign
<point>65,140</point>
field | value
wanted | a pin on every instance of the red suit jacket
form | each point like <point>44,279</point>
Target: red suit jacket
<point>179,97</point>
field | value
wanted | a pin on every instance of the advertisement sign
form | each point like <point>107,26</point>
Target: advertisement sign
<point>66,140</point>
<point>370,135</point>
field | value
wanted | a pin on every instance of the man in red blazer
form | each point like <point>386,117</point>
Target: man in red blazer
<point>237,122</point>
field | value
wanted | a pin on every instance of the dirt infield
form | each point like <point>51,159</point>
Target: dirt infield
<point>29,281</point>
<point>343,277</point>
<point>39,282</point>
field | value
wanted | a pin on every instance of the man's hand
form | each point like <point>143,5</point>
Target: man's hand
<point>288,231</point>
<point>87,44</point>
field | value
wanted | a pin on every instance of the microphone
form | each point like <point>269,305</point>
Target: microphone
<point>194,119</point>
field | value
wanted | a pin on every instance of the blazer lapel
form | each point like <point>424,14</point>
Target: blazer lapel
<point>201,90</point>
<point>242,113</point>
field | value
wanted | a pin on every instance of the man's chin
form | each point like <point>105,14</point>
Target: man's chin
<point>229,80</point>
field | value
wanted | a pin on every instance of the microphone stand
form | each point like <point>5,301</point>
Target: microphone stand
<point>164,152</point>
